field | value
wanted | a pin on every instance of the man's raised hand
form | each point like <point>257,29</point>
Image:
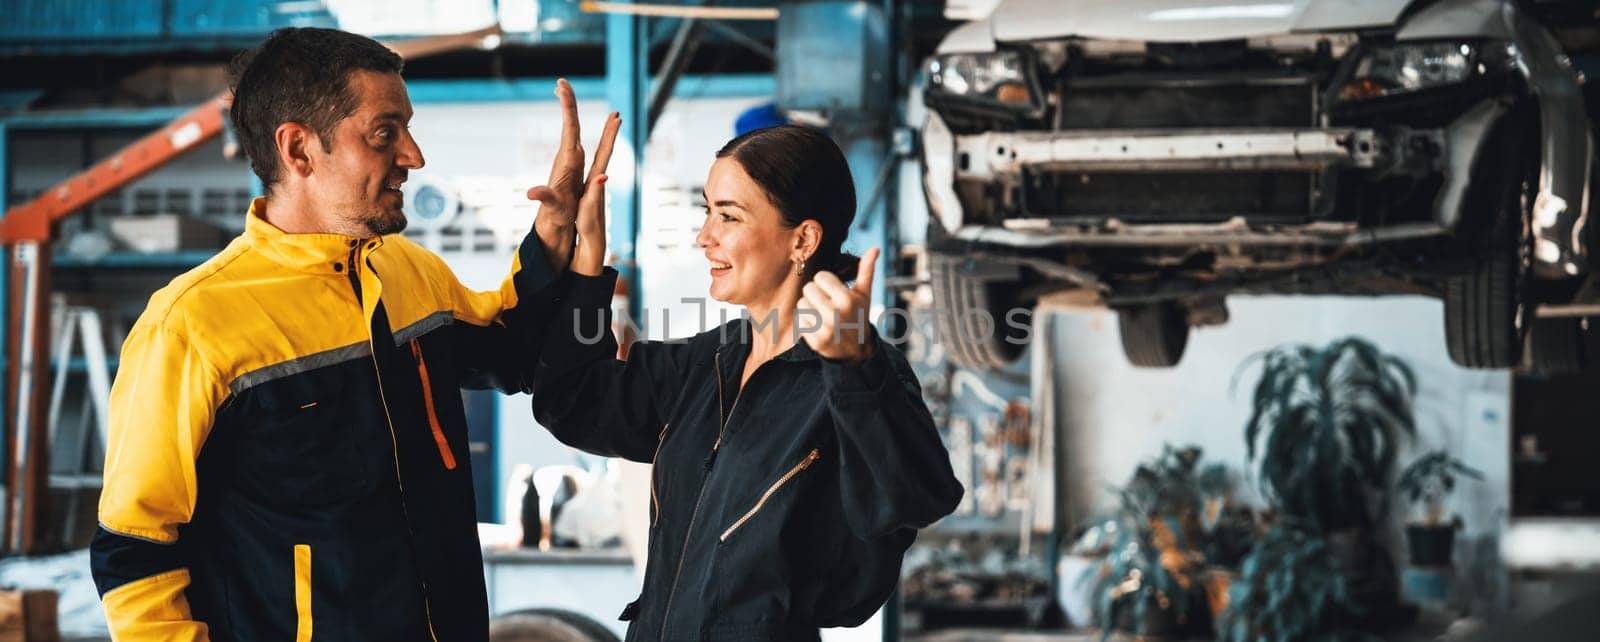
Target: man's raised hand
<point>558,199</point>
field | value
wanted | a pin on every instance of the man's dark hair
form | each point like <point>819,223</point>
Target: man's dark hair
<point>806,176</point>
<point>299,75</point>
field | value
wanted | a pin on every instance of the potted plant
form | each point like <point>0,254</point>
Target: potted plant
<point>1324,431</point>
<point>1290,588</point>
<point>1228,528</point>
<point>1427,482</point>
<point>1215,484</point>
<point>1150,580</point>
<point>1227,524</point>
<point>1325,424</point>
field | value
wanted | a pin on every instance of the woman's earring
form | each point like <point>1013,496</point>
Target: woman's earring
<point>800,268</point>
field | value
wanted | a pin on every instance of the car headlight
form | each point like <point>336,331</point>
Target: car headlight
<point>999,77</point>
<point>1398,69</point>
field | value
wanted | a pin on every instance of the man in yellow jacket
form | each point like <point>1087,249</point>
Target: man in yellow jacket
<point>288,448</point>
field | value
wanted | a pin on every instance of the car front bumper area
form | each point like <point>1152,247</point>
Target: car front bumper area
<point>992,155</point>
<point>1012,158</point>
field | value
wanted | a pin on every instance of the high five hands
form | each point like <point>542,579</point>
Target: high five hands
<point>569,204</point>
<point>832,317</point>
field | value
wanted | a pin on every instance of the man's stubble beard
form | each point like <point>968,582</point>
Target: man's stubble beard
<point>383,223</point>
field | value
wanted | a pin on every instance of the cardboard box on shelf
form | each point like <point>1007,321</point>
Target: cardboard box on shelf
<point>165,233</point>
<point>28,616</point>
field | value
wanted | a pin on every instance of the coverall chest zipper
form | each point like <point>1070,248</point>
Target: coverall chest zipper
<point>655,503</point>
<point>705,476</point>
<point>805,463</point>
<point>377,371</point>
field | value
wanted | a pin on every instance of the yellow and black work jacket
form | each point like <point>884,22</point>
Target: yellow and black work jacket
<point>288,449</point>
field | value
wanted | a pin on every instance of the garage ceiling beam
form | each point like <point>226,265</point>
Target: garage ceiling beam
<point>739,37</point>
<point>684,45</point>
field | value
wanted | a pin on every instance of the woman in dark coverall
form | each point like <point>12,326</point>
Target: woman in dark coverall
<point>794,456</point>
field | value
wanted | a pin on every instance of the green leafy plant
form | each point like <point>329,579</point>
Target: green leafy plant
<point>1153,559</point>
<point>1290,589</point>
<point>1227,527</point>
<point>1430,479</point>
<point>1325,424</point>
<point>1132,579</point>
<point>1169,484</point>
<point>1215,485</point>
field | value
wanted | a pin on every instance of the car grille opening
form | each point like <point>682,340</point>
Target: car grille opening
<point>1142,103</point>
<point>1172,197</point>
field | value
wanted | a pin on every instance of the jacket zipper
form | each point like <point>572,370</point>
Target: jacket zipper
<point>722,418</point>
<point>427,402</point>
<point>804,464</point>
<point>383,400</point>
<point>655,504</point>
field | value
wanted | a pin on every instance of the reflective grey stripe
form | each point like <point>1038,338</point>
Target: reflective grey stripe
<point>118,533</point>
<point>427,324</point>
<point>259,376</point>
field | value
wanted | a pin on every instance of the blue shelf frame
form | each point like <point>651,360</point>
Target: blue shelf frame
<point>5,274</point>
<point>476,90</point>
<point>180,260</point>
<point>427,91</point>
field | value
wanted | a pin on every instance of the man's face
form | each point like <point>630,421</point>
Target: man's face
<point>357,183</point>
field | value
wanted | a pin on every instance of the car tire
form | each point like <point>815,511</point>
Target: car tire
<point>973,315</point>
<point>1480,314</point>
<point>547,625</point>
<point>1154,335</point>
<point>1555,346</point>
<point>1483,307</point>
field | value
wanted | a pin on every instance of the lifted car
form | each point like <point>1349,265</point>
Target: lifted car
<point>1163,154</point>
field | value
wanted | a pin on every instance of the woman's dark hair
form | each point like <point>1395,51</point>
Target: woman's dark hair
<point>298,75</point>
<point>806,176</point>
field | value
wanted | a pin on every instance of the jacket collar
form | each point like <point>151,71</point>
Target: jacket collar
<point>736,340</point>
<point>314,252</point>
<point>800,352</point>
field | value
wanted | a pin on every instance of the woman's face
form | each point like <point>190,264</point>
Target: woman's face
<point>744,238</point>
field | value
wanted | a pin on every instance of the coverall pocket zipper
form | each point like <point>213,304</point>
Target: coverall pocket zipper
<point>804,464</point>
<point>433,416</point>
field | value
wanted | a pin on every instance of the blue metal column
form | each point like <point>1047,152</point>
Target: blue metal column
<point>867,152</point>
<point>627,90</point>
<point>834,59</point>
<point>5,275</point>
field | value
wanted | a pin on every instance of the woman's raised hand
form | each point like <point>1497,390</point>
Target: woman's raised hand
<point>590,256</point>
<point>832,317</point>
<point>562,200</point>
